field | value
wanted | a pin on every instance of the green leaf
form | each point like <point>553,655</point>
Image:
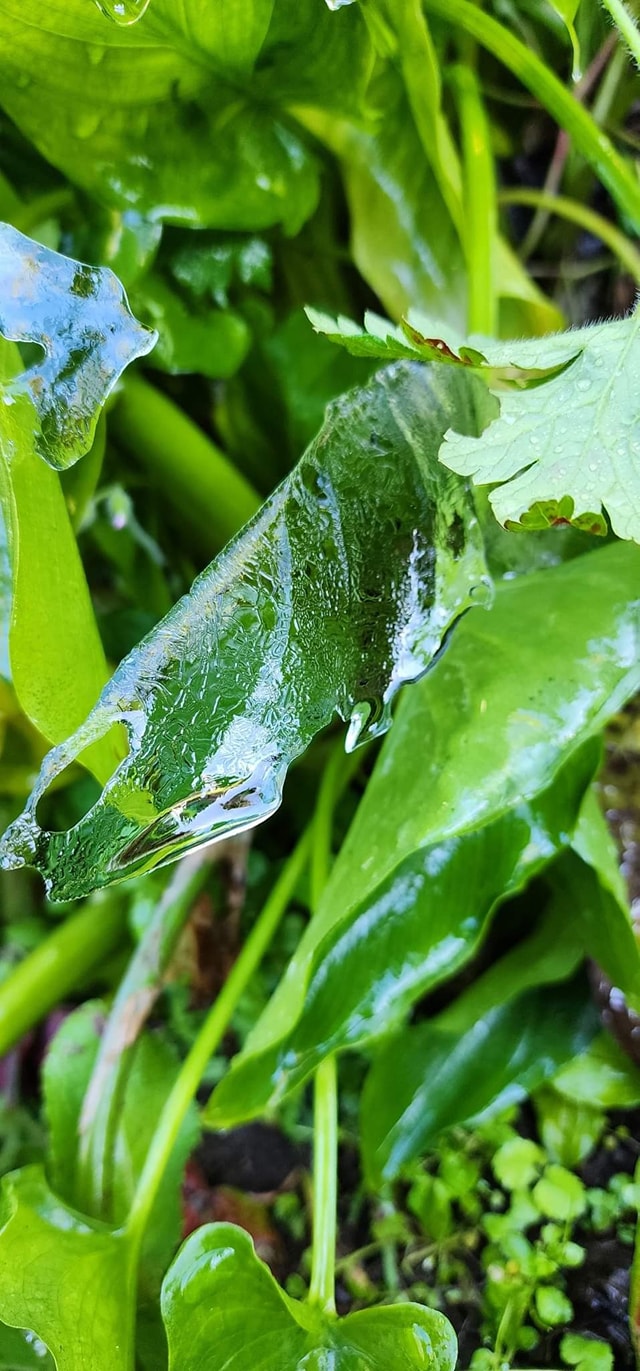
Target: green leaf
<point>210,342</point>
<point>80,316</point>
<point>428,1078</point>
<point>586,1354</point>
<point>66,1279</point>
<point>518,689</point>
<point>222,1307</point>
<point>326,603</point>
<point>184,115</point>
<point>566,451</point>
<point>560,1195</point>
<point>517,1163</point>
<point>569,1131</point>
<point>147,1082</point>
<point>552,1306</point>
<point>603,1077</point>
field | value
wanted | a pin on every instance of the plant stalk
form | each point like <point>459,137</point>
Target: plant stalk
<point>626,26</point>
<point>59,965</point>
<point>594,145</point>
<point>586,218</point>
<point>325,1186</point>
<point>203,485</point>
<point>481,217</point>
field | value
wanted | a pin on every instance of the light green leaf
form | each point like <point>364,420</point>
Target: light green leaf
<point>559,1194</point>
<point>223,1308</point>
<point>64,1278</point>
<point>569,1131</point>
<point>567,9</point>
<point>81,318</point>
<point>185,114</point>
<point>586,1354</point>
<point>570,449</point>
<point>603,1077</point>
<point>210,342</point>
<point>552,1306</point>
<point>339,590</point>
<point>518,690</point>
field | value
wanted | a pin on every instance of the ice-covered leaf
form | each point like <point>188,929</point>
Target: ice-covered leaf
<point>184,116</point>
<point>340,589</point>
<point>79,315</point>
<point>222,1308</point>
<point>66,1279</point>
<point>570,449</point>
<point>449,821</point>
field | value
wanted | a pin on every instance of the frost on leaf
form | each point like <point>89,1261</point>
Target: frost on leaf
<point>340,589</point>
<point>80,317</point>
<point>570,449</point>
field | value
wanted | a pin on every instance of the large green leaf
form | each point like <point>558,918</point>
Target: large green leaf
<point>224,1310</point>
<point>504,1035</point>
<point>442,830</point>
<point>184,114</point>
<point>428,1079</point>
<point>339,590</point>
<point>66,1279</point>
<point>143,1089</point>
<point>566,451</point>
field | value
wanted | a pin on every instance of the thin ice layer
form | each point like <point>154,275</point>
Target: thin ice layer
<point>80,317</point>
<point>339,590</point>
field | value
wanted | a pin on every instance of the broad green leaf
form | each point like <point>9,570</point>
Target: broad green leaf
<point>183,116</point>
<point>568,451</point>
<point>429,1078</point>
<point>151,1072</point>
<point>340,589</point>
<point>66,1279</point>
<point>80,316</point>
<point>222,1308</point>
<point>518,690</point>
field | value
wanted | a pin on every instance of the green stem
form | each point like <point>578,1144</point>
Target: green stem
<point>59,965</point>
<point>134,1000</point>
<point>594,145</point>
<point>481,215</point>
<point>586,218</point>
<point>625,25</point>
<point>325,1186</point>
<point>209,1037</point>
<point>34,212</point>
<point>203,485</point>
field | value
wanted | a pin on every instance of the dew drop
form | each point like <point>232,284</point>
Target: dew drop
<point>593,466</point>
<point>95,54</point>
<point>583,385</point>
<point>23,80</point>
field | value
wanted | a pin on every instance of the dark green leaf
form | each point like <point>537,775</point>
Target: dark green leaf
<point>63,1277</point>
<point>339,590</point>
<point>222,1308</point>
<point>210,342</point>
<point>444,828</point>
<point>184,115</point>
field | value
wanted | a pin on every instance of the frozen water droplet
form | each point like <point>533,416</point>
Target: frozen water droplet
<point>583,384</point>
<point>509,418</point>
<point>593,466</point>
<point>95,54</point>
<point>123,12</point>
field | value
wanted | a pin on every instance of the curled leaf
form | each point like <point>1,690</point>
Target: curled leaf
<point>340,589</point>
<point>80,317</point>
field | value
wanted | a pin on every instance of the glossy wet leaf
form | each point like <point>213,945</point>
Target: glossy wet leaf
<point>63,1277</point>
<point>339,590</point>
<point>568,452</point>
<point>447,817</point>
<point>184,115</point>
<point>222,1308</point>
<point>604,1076</point>
<point>107,1193</point>
<point>207,342</point>
<point>429,1078</point>
<point>81,318</point>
